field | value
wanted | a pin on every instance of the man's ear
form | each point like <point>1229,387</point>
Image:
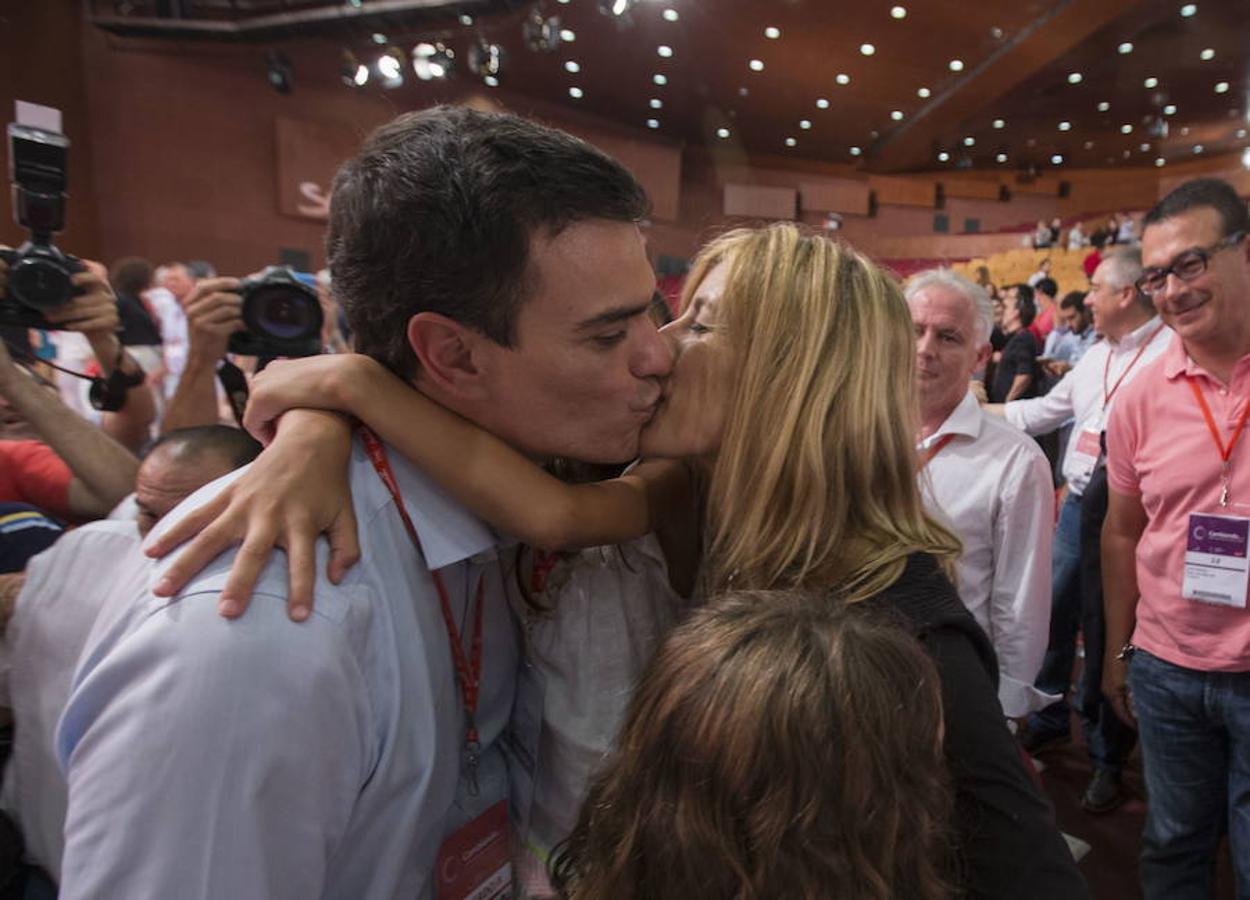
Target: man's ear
<point>448,354</point>
<point>983,355</point>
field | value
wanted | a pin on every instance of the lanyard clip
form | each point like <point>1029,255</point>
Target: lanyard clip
<point>1224,483</point>
<point>472,755</point>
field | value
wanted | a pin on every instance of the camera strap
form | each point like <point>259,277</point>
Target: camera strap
<point>105,395</point>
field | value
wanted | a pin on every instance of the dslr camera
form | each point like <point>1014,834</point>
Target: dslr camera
<point>39,273</point>
<point>281,315</point>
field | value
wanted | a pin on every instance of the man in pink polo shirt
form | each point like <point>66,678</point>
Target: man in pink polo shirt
<point>1175,562</point>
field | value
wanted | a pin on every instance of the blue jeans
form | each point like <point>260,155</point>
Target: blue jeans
<point>1195,737</point>
<point>1055,676</point>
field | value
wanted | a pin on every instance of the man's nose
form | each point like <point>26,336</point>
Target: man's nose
<point>656,353</point>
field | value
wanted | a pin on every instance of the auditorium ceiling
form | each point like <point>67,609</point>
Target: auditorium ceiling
<point>917,85</point>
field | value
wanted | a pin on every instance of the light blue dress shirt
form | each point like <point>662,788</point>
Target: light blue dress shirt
<point>260,758</point>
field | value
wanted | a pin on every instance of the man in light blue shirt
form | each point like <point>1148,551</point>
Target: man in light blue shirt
<point>497,266</point>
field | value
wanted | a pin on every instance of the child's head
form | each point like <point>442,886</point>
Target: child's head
<point>780,745</point>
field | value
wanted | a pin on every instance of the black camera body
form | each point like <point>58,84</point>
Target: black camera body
<point>39,272</point>
<point>282,316</point>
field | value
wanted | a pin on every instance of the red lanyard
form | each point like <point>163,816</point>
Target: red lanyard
<point>468,668</point>
<point>1225,452</point>
<point>936,449</point>
<point>1106,370</point>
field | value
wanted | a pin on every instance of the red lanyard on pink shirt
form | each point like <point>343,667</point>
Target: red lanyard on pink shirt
<point>468,668</point>
<point>1106,369</point>
<point>1226,453</point>
<point>935,449</point>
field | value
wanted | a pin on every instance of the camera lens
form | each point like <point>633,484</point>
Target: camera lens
<point>40,283</point>
<point>285,315</point>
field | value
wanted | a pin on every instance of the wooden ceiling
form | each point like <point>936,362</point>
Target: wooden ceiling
<point>1041,83</point>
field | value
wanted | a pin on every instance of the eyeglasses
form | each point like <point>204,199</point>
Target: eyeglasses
<point>1186,266</point>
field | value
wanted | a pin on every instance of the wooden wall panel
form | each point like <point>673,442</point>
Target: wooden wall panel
<point>844,195</point>
<point>971,188</point>
<point>756,202</point>
<point>895,191</point>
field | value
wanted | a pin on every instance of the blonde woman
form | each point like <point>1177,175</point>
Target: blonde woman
<point>792,397</point>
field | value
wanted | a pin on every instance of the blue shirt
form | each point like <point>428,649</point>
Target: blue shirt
<point>260,758</point>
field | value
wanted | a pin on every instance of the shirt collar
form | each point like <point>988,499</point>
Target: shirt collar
<point>965,419</point>
<point>1137,336</point>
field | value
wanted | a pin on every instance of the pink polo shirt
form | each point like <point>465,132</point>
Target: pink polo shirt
<point>1159,448</point>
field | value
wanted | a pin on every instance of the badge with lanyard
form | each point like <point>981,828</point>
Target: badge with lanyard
<point>1217,551</point>
<point>474,861</point>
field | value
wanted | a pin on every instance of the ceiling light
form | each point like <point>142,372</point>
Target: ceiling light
<point>1057,159</point>
<point>1222,87</point>
<point>1125,48</point>
<point>944,157</point>
<point>1002,158</point>
<point>1159,161</point>
<point>756,65</point>
<point>659,79</point>
<point>805,124</point>
<point>657,103</point>
<point>722,133</point>
<point>923,93</point>
<point>1126,129</point>
<point>842,78</point>
<point>1144,147</point>
<point>1074,78</point>
<point>1089,145</point>
<point>1170,109</point>
<point>540,33</point>
<point>1189,9</point>
<point>772,32</point>
<point>1198,148</point>
<point>1151,82</point>
<point>572,68</point>
<point>855,151</point>
<point>956,65</point>
<point>379,38</point>
<point>822,103</point>
<point>897,115</point>
<point>486,59</point>
<point>670,15</point>
<point>653,123</point>
<point>616,8</point>
<point>664,50</point>
<point>1065,126</point>
<point>466,21</point>
<point>351,71</point>
<point>491,81</point>
<point>898,12</point>
<point>1104,106</point>
<point>970,141</point>
<point>1241,133</point>
<point>999,124</point>
<point>390,68</point>
<point>1245,158</point>
<point>1207,55</point>
<point>791,142</point>
<point>867,49</point>
<point>576,93</point>
<point>568,35</point>
<point>563,1</point>
<point>432,61</point>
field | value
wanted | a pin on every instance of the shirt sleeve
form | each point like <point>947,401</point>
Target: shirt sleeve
<point>1010,844</point>
<point>42,477</point>
<point>1042,415</point>
<point>1122,438</point>
<point>207,758</point>
<point>1020,592</point>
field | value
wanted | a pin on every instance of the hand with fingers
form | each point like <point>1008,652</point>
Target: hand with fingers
<point>295,492</point>
<point>214,312</point>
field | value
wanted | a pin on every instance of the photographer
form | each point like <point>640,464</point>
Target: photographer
<point>214,312</point>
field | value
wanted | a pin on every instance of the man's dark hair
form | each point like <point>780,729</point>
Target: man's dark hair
<point>131,275</point>
<point>437,212</point>
<point>234,444</point>
<point>1025,290</point>
<point>1073,300</point>
<point>1203,192</point>
<point>1046,286</point>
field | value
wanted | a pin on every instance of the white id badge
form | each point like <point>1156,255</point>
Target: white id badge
<point>1217,567</point>
<point>520,745</point>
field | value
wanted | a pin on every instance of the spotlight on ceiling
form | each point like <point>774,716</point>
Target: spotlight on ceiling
<point>487,59</point>
<point>615,8</point>
<point>432,61</point>
<point>390,68</point>
<point>541,33</point>
<point>352,71</point>
<point>278,71</point>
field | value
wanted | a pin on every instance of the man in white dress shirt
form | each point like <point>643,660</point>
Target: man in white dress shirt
<point>987,479</point>
<point>1133,336</point>
<point>498,266</point>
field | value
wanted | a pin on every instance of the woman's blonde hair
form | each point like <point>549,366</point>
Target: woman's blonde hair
<point>778,746</point>
<point>815,481</point>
